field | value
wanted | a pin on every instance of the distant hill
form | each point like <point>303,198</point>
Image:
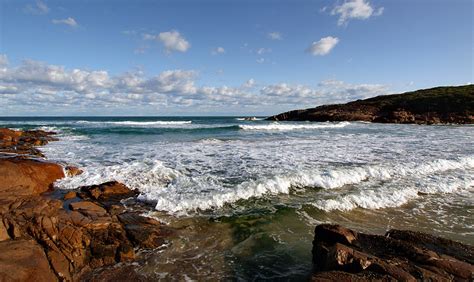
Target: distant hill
<point>452,104</point>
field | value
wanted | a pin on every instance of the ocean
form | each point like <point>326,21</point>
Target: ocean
<point>246,195</point>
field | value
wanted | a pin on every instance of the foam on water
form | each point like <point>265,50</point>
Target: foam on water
<point>285,127</point>
<point>367,166</point>
<point>135,123</point>
<point>176,192</point>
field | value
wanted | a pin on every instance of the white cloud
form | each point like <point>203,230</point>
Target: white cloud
<point>323,46</point>
<point>275,35</point>
<point>355,9</point>
<point>173,41</point>
<point>249,83</point>
<point>260,60</point>
<point>218,50</point>
<point>34,86</point>
<point>39,8</point>
<point>69,21</point>
<point>262,51</point>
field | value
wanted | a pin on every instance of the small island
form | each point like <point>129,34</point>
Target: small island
<point>439,105</point>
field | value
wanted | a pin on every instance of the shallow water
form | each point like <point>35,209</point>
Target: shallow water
<point>246,195</point>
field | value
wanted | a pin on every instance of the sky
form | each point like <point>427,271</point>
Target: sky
<point>227,57</point>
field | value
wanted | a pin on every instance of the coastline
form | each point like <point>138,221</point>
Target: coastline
<point>49,236</point>
<point>74,235</point>
<point>439,105</point>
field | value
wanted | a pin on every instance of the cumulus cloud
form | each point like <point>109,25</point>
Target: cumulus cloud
<point>33,85</point>
<point>218,50</point>
<point>274,35</point>
<point>173,41</point>
<point>69,21</point>
<point>39,8</point>
<point>355,9</point>
<point>323,46</point>
<point>249,83</point>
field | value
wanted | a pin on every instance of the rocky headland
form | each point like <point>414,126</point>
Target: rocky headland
<point>440,105</point>
<point>88,234</point>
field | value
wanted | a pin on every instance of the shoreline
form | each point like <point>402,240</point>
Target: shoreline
<point>94,218</point>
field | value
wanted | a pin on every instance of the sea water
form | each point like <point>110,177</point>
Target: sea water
<point>248,194</point>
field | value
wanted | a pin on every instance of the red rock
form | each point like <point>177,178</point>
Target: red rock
<point>108,191</point>
<point>70,195</point>
<point>24,260</point>
<point>87,208</point>
<point>27,177</point>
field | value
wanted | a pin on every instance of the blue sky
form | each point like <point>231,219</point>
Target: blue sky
<point>224,57</point>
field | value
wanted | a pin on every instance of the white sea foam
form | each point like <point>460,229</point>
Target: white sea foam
<point>137,123</point>
<point>249,119</point>
<point>177,192</point>
<point>146,176</point>
<point>285,127</point>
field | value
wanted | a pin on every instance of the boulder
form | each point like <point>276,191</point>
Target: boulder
<point>21,176</point>
<point>399,255</point>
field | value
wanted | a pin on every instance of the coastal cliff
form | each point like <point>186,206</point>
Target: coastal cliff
<point>428,106</point>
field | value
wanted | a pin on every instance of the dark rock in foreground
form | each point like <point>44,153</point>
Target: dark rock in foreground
<point>340,254</point>
<point>429,106</point>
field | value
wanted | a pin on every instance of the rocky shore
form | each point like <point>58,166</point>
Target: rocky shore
<point>96,233</point>
<point>438,105</point>
<point>46,235</point>
<point>341,254</point>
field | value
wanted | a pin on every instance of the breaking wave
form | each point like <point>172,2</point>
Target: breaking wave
<point>177,192</point>
<point>286,127</point>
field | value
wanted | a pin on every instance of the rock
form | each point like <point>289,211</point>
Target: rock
<point>428,106</point>
<point>399,255</point>
<point>143,231</point>
<point>44,239</point>
<point>27,176</point>
<point>23,142</point>
<point>108,191</point>
<point>87,208</point>
<point>70,195</point>
<point>24,260</point>
<point>73,171</point>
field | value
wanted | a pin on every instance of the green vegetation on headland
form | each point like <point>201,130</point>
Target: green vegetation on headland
<point>452,104</point>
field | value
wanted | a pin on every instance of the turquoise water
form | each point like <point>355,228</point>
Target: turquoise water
<point>246,195</point>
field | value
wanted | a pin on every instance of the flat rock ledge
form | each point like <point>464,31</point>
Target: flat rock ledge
<point>46,235</point>
<point>341,254</point>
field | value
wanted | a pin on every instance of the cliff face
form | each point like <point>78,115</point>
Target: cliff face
<point>428,106</point>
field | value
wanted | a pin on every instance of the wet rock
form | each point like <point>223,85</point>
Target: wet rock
<point>108,191</point>
<point>399,255</point>
<point>73,171</point>
<point>143,231</point>
<point>70,195</point>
